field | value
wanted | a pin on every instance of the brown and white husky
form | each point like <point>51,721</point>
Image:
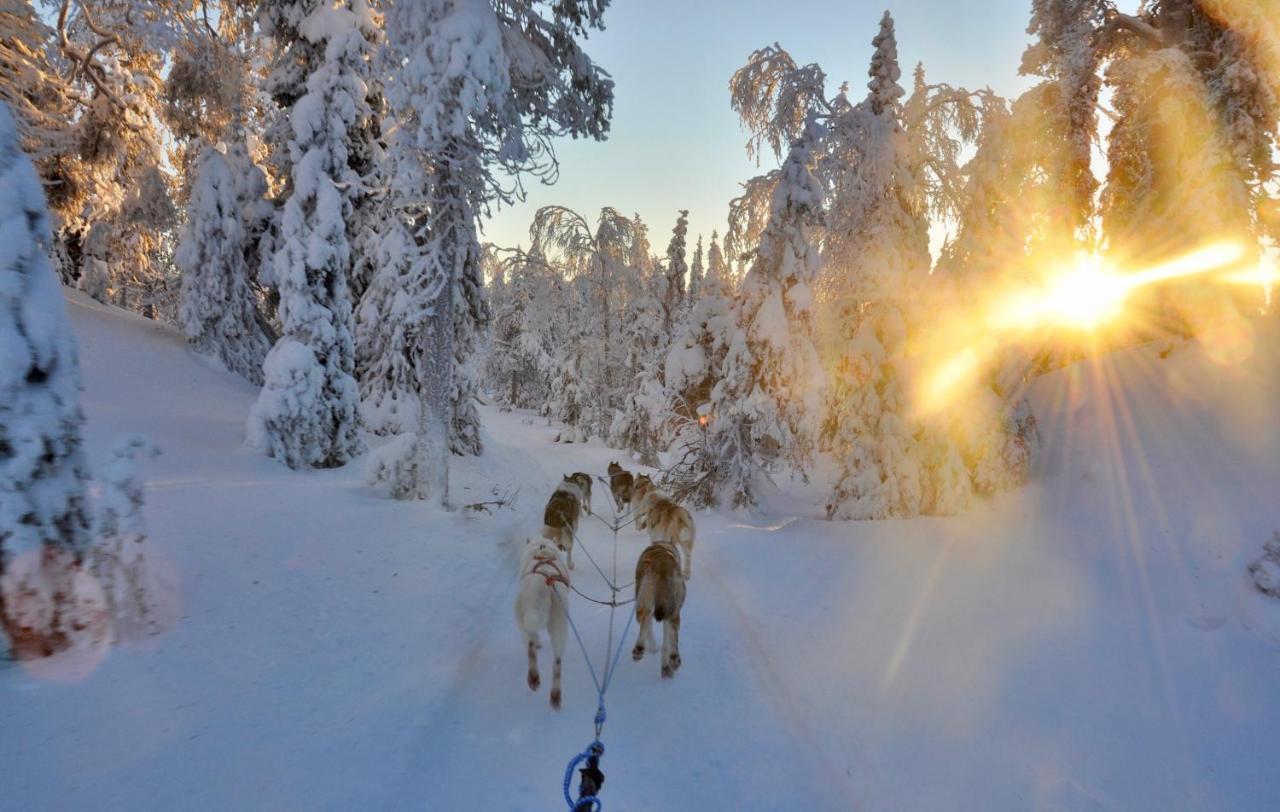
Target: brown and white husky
<point>664,519</point>
<point>659,598</point>
<point>560,517</point>
<point>543,603</point>
<point>620,485</point>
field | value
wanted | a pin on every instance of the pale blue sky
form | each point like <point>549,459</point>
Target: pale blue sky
<point>675,143</point>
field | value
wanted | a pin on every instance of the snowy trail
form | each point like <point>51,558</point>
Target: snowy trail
<point>1087,642</point>
<point>710,738</point>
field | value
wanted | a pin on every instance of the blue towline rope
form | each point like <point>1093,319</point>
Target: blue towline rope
<point>596,748</point>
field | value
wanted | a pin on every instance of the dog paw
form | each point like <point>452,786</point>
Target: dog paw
<point>637,653</point>
<point>667,672</point>
<point>555,699</point>
<point>534,681</point>
<point>674,661</point>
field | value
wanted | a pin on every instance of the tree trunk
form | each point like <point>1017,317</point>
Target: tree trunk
<point>435,385</point>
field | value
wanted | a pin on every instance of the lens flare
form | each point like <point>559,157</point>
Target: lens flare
<point>950,374</point>
<point>1087,296</point>
<point>1084,296</point>
<point>1263,274</point>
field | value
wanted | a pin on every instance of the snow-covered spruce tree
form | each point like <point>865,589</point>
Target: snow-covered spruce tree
<point>887,467</point>
<point>762,408</point>
<point>638,423</point>
<point>218,257</point>
<point>696,271</point>
<point>476,88</point>
<point>673,295</point>
<point>693,361</point>
<point>692,367</point>
<point>292,57</point>
<point>716,264</point>
<point>307,413</point>
<point>47,602</point>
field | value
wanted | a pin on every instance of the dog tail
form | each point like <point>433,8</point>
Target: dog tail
<point>687,532</point>
<point>646,597</point>
<point>560,536</point>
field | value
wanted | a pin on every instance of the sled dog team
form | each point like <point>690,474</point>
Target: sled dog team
<point>661,571</point>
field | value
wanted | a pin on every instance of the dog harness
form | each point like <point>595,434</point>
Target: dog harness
<point>552,578</point>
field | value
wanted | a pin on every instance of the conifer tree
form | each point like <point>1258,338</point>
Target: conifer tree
<point>47,602</point>
<point>218,257</point>
<point>307,412</point>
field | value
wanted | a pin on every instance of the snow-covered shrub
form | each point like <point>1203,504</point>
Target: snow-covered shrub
<point>1265,572</point>
<point>290,420</point>
<point>142,602</point>
<point>393,467</point>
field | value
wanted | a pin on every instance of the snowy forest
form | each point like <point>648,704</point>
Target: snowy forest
<point>887,324</point>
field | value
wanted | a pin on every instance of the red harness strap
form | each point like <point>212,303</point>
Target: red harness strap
<point>558,575</point>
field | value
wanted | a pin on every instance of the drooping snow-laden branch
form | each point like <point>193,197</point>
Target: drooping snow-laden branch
<point>773,96</point>
<point>83,61</point>
<point>1119,21</point>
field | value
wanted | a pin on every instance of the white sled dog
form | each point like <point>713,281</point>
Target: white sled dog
<point>543,603</point>
<point>560,517</point>
<point>659,598</point>
<point>664,519</point>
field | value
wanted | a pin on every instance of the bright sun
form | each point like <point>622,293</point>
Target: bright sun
<point>1085,296</point>
<point>1090,293</point>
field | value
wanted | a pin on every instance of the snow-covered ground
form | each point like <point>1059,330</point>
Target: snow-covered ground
<point>1088,642</point>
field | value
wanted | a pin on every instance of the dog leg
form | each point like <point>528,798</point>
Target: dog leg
<point>555,684</point>
<point>671,629</point>
<point>534,679</point>
<point>642,620</point>
<point>665,659</point>
<point>557,631</point>
<point>687,548</point>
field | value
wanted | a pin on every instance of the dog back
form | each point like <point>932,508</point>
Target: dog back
<point>621,483</point>
<point>562,509</point>
<point>658,579</point>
